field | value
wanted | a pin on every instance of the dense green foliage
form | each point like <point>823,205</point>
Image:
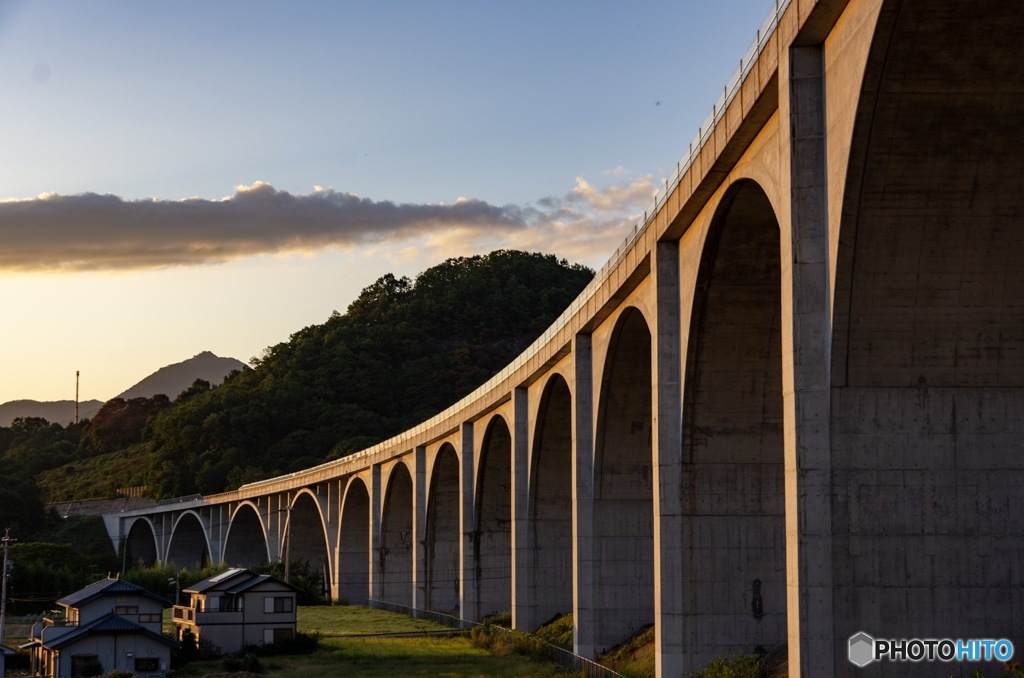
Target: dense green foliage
<point>121,423</point>
<point>32,444</point>
<point>100,476</point>
<point>404,351</point>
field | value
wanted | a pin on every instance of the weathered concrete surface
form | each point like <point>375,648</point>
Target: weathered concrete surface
<point>788,410</point>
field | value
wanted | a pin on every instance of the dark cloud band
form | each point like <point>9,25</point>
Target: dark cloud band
<point>93,232</point>
<point>88,232</point>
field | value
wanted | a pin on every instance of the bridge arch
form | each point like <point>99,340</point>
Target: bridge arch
<point>443,544</point>
<point>550,533</point>
<point>493,530</point>
<point>189,547</point>
<point>141,545</point>
<point>354,543</point>
<point>927,372</point>
<point>307,541</point>
<point>623,514</point>
<point>733,490</point>
<point>245,544</point>
<point>396,537</point>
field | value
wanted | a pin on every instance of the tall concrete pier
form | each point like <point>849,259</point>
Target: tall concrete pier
<point>789,409</point>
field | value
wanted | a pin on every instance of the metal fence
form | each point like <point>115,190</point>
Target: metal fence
<point>561,657</point>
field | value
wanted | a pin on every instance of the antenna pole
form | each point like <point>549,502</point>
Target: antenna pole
<point>4,543</point>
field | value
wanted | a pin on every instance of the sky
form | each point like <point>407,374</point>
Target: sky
<point>215,176</point>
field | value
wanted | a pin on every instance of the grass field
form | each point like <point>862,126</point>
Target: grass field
<point>341,654</point>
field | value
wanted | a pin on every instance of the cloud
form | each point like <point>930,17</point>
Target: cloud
<point>88,232</point>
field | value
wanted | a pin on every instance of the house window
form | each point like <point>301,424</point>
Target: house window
<point>277,635</point>
<point>150,618</point>
<point>278,604</point>
<point>126,609</point>
<point>147,664</point>
<point>83,665</point>
<point>232,604</point>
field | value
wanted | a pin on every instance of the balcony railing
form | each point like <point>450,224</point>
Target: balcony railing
<point>59,621</point>
<point>184,614</point>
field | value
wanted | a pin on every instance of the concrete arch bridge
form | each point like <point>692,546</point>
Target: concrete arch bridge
<point>789,409</point>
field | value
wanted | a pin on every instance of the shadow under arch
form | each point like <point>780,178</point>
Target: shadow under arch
<point>550,508</point>
<point>443,545</point>
<point>307,543</point>
<point>396,537</point>
<point>927,371</point>
<point>189,547</point>
<point>246,542</point>
<point>493,532</point>
<point>354,544</point>
<point>140,543</point>
<point>623,527</point>
<point>734,525</point>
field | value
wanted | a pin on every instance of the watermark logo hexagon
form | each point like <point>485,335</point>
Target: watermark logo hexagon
<point>862,649</point>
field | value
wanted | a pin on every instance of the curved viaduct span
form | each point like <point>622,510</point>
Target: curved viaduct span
<point>789,409</point>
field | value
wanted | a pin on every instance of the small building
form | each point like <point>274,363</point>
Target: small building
<point>109,625</point>
<point>237,608</point>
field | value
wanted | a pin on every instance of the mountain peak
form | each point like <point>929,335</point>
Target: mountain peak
<point>173,379</point>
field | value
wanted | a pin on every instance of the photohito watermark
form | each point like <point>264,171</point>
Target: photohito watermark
<point>864,649</point>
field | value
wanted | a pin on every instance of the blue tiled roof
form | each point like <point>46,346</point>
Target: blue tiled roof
<point>234,581</point>
<point>110,623</point>
<point>107,587</point>
<point>217,580</point>
<point>244,586</point>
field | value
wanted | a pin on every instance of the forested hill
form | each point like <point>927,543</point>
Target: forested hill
<point>404,350</point>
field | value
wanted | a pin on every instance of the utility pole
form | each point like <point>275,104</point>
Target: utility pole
<point>4,543</point>
<point>76,396</point>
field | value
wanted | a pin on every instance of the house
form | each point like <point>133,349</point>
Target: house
<point>109,625</point>
<point>236,608</point>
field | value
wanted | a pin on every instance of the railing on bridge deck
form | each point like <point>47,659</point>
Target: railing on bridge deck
<point>559,656</point>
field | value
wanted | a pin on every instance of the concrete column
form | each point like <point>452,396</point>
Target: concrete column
<point>419,529</point>
<point>667,448</point>
<point>521,618</point>
<point>806,338</point>
<point>163,527</point>
<point>277,513</point>
<point>376,557</point>
<point>216,527</point>
<point>467,527</point>
<point>584,619</point>
<point>329,498</point>
<point>269,517</point>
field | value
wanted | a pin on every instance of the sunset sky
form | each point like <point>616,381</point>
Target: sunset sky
<point>189,176</point>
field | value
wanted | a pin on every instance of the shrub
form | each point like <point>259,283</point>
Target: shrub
<point>740,666</point>
<point>248,663</point>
